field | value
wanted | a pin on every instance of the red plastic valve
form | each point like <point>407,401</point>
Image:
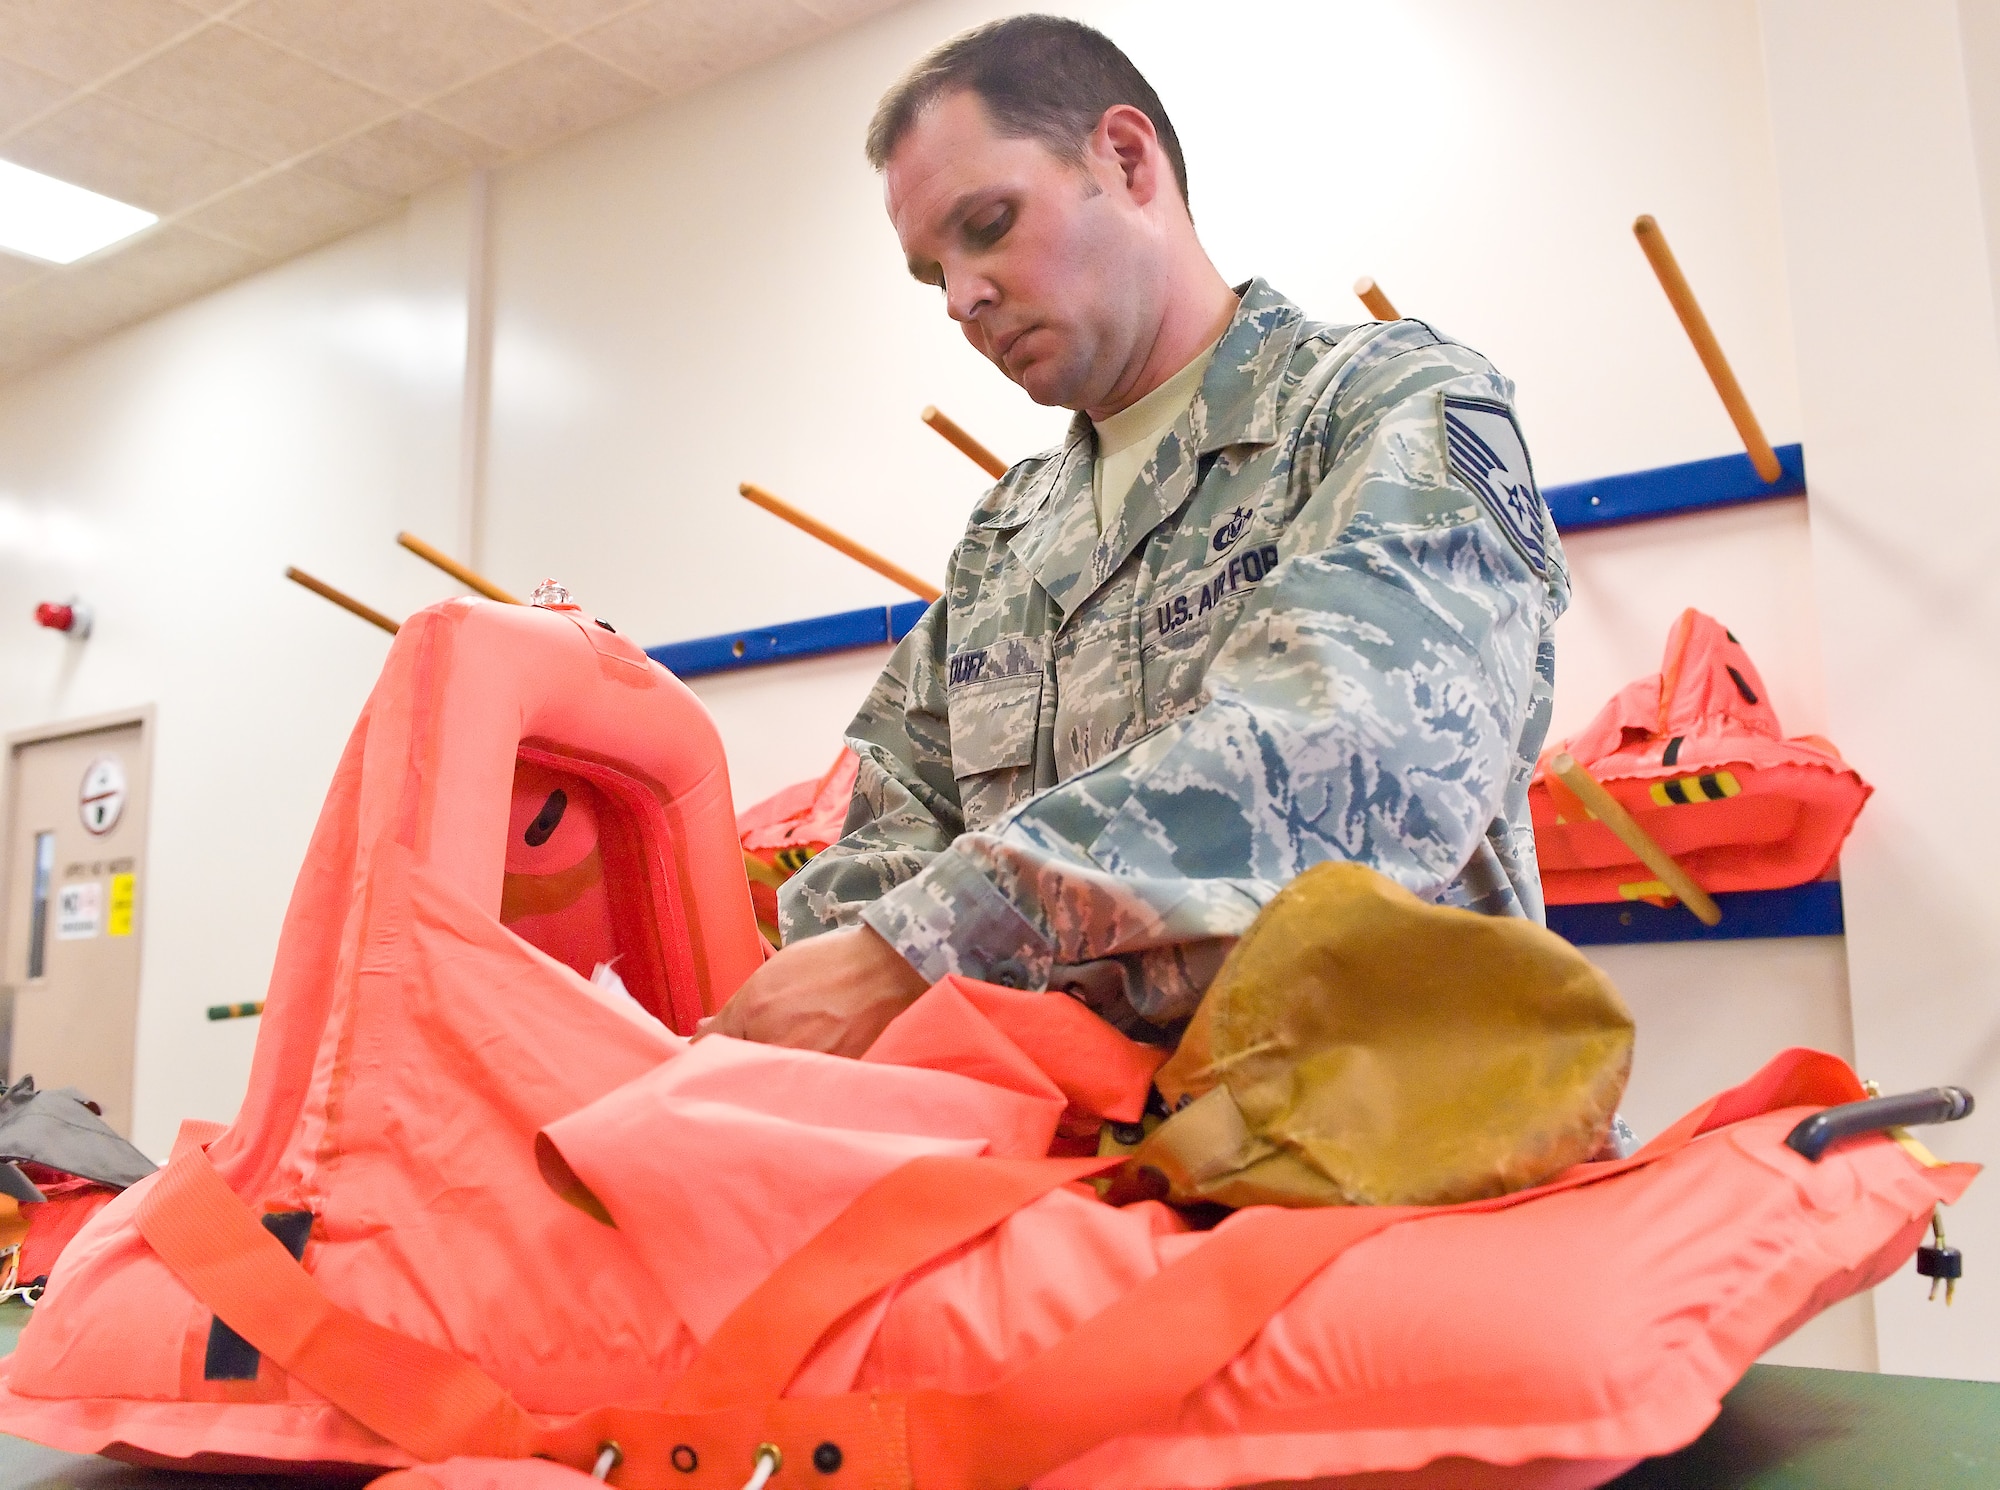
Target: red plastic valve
<point>55,617</point>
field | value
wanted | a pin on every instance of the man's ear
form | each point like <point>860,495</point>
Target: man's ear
<point>1125,142</point>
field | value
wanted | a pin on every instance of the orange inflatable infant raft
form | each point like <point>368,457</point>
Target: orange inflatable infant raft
<point>1697,756</point>
<point>482,1213</point>
<point>411,1043</point>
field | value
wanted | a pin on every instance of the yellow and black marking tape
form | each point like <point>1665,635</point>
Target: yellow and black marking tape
<point>235,1011</point>
<point>1684,790</point>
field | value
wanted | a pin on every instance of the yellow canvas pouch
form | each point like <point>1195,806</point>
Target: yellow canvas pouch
<point>1362,1047</point>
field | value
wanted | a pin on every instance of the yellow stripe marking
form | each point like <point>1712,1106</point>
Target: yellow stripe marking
<point>1645,890</point>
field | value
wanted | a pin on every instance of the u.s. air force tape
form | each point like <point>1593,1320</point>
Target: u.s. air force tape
<point>1488,455</point>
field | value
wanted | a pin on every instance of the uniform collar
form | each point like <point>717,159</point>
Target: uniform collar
<point>1236,405</point>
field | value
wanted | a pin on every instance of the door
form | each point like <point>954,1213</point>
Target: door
<point>74,902</point>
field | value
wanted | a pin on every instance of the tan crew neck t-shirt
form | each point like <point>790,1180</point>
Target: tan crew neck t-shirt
<point>1127,440</point>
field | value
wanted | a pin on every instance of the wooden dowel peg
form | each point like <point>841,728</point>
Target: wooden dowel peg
<point>472,579</point>
<point>834,538</point>
<point>345,601</point>
<point>981,457</point>
<point>1609,811</point>
<point>1377,303</point>
<point>1668,270</point>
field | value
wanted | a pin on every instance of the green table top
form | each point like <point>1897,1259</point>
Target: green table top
<point>1796,1428</point>
<point>1782,1428</point>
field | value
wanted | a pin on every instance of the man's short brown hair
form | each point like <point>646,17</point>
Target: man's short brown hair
<point>1040,77</point>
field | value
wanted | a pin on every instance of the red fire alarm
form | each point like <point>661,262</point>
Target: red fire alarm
<point>72,619</point>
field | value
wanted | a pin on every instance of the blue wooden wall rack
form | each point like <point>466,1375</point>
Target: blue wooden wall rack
<point>1636,496</point>
<point>789,641</point>
<point>1811,909</point>
<point>1673,491</point>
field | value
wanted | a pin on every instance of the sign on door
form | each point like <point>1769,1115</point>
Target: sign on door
<point>79,911</point>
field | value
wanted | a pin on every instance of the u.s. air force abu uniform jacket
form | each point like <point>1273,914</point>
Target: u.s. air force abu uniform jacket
<point>1319,627</point>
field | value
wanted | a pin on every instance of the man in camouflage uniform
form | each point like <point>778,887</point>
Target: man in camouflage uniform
<point>1317,626</point>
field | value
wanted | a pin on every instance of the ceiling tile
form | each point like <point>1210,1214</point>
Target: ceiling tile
<point>411,51</point>
<point>403,156</point>
<point>24,93</point>
<point>89,299</point>
<point>24,342</point>
<point>846,12</point>
<point>248,94</point>
<point>565,17</point>
<point>549,96</point>
<point>109,148</point>
<point>359,103</point>
<point>674,44</point>
<point>169,263</point>
<point>649,43</point>
<point>80,302</point>
<point>16,270</point>
<point>288,212</point>
<point>78,41</point>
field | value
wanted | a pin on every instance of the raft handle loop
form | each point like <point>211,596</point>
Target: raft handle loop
<point>609,1457</point>
<point>770,1459</point>
<point>1940,1104</point>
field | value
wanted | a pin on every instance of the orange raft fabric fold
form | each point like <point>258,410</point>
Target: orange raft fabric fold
<point>1696,754</point>
<point>394,1258</point>
<point>780,833</point>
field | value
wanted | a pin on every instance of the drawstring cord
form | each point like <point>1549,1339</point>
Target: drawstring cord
<point>11,1286</point>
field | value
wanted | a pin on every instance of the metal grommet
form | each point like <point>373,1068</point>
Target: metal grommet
<point>770,1459</point>
<point>609,1457</point>
<point>684,1458</point>
<point>826,1458</point>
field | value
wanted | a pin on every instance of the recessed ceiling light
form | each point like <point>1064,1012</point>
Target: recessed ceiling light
<point>59,223</point>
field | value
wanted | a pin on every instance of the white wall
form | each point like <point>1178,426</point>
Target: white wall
<point>1882,119</point>
<point>709,293</point>
<point>706,294</point>
<point>168,476</point>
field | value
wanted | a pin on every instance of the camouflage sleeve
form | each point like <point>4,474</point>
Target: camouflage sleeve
<point>905,809</point>
<point>1367,707</point>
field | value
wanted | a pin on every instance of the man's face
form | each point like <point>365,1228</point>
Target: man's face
<point>1047,266</point>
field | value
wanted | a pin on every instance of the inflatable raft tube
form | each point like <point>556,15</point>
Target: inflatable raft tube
<point>479,1209</point>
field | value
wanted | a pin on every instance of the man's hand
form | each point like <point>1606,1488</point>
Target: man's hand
<point>834,992</point>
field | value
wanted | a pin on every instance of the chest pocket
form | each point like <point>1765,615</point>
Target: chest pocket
<point>994,727</point>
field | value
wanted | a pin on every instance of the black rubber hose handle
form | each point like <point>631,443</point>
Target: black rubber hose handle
<point>1940,1104</point>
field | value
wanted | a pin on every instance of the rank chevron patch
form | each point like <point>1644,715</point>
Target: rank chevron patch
<point>1488,455</point>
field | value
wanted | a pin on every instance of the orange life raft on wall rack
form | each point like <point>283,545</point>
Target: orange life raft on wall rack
<point>478,1208</point>
<point>1696,754</point>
